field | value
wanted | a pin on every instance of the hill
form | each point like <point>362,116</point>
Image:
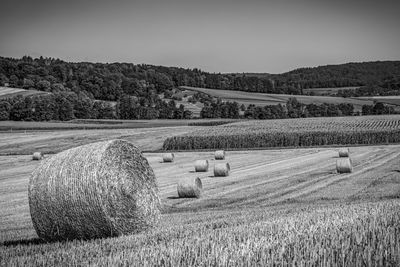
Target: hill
<point>108,81</point>
<point>262,99</point>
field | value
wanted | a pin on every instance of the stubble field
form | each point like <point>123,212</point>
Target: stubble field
<point>276,207</point>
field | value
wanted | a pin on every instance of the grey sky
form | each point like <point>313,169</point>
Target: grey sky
<point>217,36</point>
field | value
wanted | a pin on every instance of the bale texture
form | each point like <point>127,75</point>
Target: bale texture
<point>201,165</point>
<point>168,157</point>
<point>344,152</point>
<point>221,169</point>
<point>37,156</point>
<point>344,165</point>
<point>190,188</point>
<point>219,154</point>
<point>96,190</point>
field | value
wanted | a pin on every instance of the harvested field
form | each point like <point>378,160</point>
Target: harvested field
<point>289,201</point>
<point>56,141</point>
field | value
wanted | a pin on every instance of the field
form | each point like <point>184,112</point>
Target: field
<point>327,91</point>
<point>6,92</point>
<point>390,100</point>
<point>89,124</point>
<point>277,206</point>
<point>366,130</point>
<point>261,99</point>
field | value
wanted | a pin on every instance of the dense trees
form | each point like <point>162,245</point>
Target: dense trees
<point>292,109</point>
<point>129,91</point>
<point>111,81</point>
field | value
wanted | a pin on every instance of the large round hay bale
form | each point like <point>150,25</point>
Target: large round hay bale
<point>168,157</point>
<point>219,154</point>
<point>97,190</point>
<point>344,152</point>
<point>190,187</point>
<point>221,169</point>
<point>344,165</point>
<point>201,165</point>
<point>37,156</point>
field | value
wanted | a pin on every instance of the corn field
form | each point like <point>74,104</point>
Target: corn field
<point>365,130</point>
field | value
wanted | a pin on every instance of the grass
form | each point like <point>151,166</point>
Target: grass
<point>277,207</point>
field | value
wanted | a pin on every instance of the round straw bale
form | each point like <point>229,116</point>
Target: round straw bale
<point>344,152</point>
<point>37,156</point>
<point>221,169</point>
<point>190,187</point>
<point>168,157</point>
<point>96,190</point>
<point>344,165</point>
<point>201,165</point>
<point>219,154</point>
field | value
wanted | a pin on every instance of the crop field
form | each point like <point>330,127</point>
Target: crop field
<point>46,141</point>
<point>91,124</point>
<point>366,130</point>
<point>390,100</point>
<point>6,92</point>
<point>262,99</point>
<point>328,91</point>
<point>276,207</point>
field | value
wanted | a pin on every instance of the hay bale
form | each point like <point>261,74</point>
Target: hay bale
<point>168,157</point>
<point>344,165</point>
<point>221,169</point>
<point>219,154</point>
<point>96,190</point>
<point>37,156</point>
<point>190,188</point>
<point>344,152</point>
<point>201,165</point>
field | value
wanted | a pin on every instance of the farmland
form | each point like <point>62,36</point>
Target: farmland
<point>261,99</point>
<point>366,130</point>
<point>276,207</point>
<point>6,92</point>
<point>327,91</point>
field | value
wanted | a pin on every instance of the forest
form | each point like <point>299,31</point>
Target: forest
<point>140,91</point>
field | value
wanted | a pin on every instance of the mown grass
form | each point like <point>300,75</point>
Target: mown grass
<point>363,234</point>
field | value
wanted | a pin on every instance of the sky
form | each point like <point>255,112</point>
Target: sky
<point>270,36</point>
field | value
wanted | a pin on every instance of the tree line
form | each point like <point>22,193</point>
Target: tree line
<point>292,109</point>
<point>104,81</point>
<point>65,106</point>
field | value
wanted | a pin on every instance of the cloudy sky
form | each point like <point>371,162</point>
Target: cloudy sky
<point>214,35</point>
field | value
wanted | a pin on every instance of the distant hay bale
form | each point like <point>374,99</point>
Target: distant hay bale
<point>190,188</point>
<point>201,165</point>
<point>37,156</point>
<point>168,157</point>
<point>219,154</point>
<point>344,165</point>
<point>97,190</point>
<point>221,169</point>
<point>344,152</point>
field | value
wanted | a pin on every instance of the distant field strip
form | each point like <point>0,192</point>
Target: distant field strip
<point>6,92</point>
<point>366,130</point>
<point>263,99</point>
